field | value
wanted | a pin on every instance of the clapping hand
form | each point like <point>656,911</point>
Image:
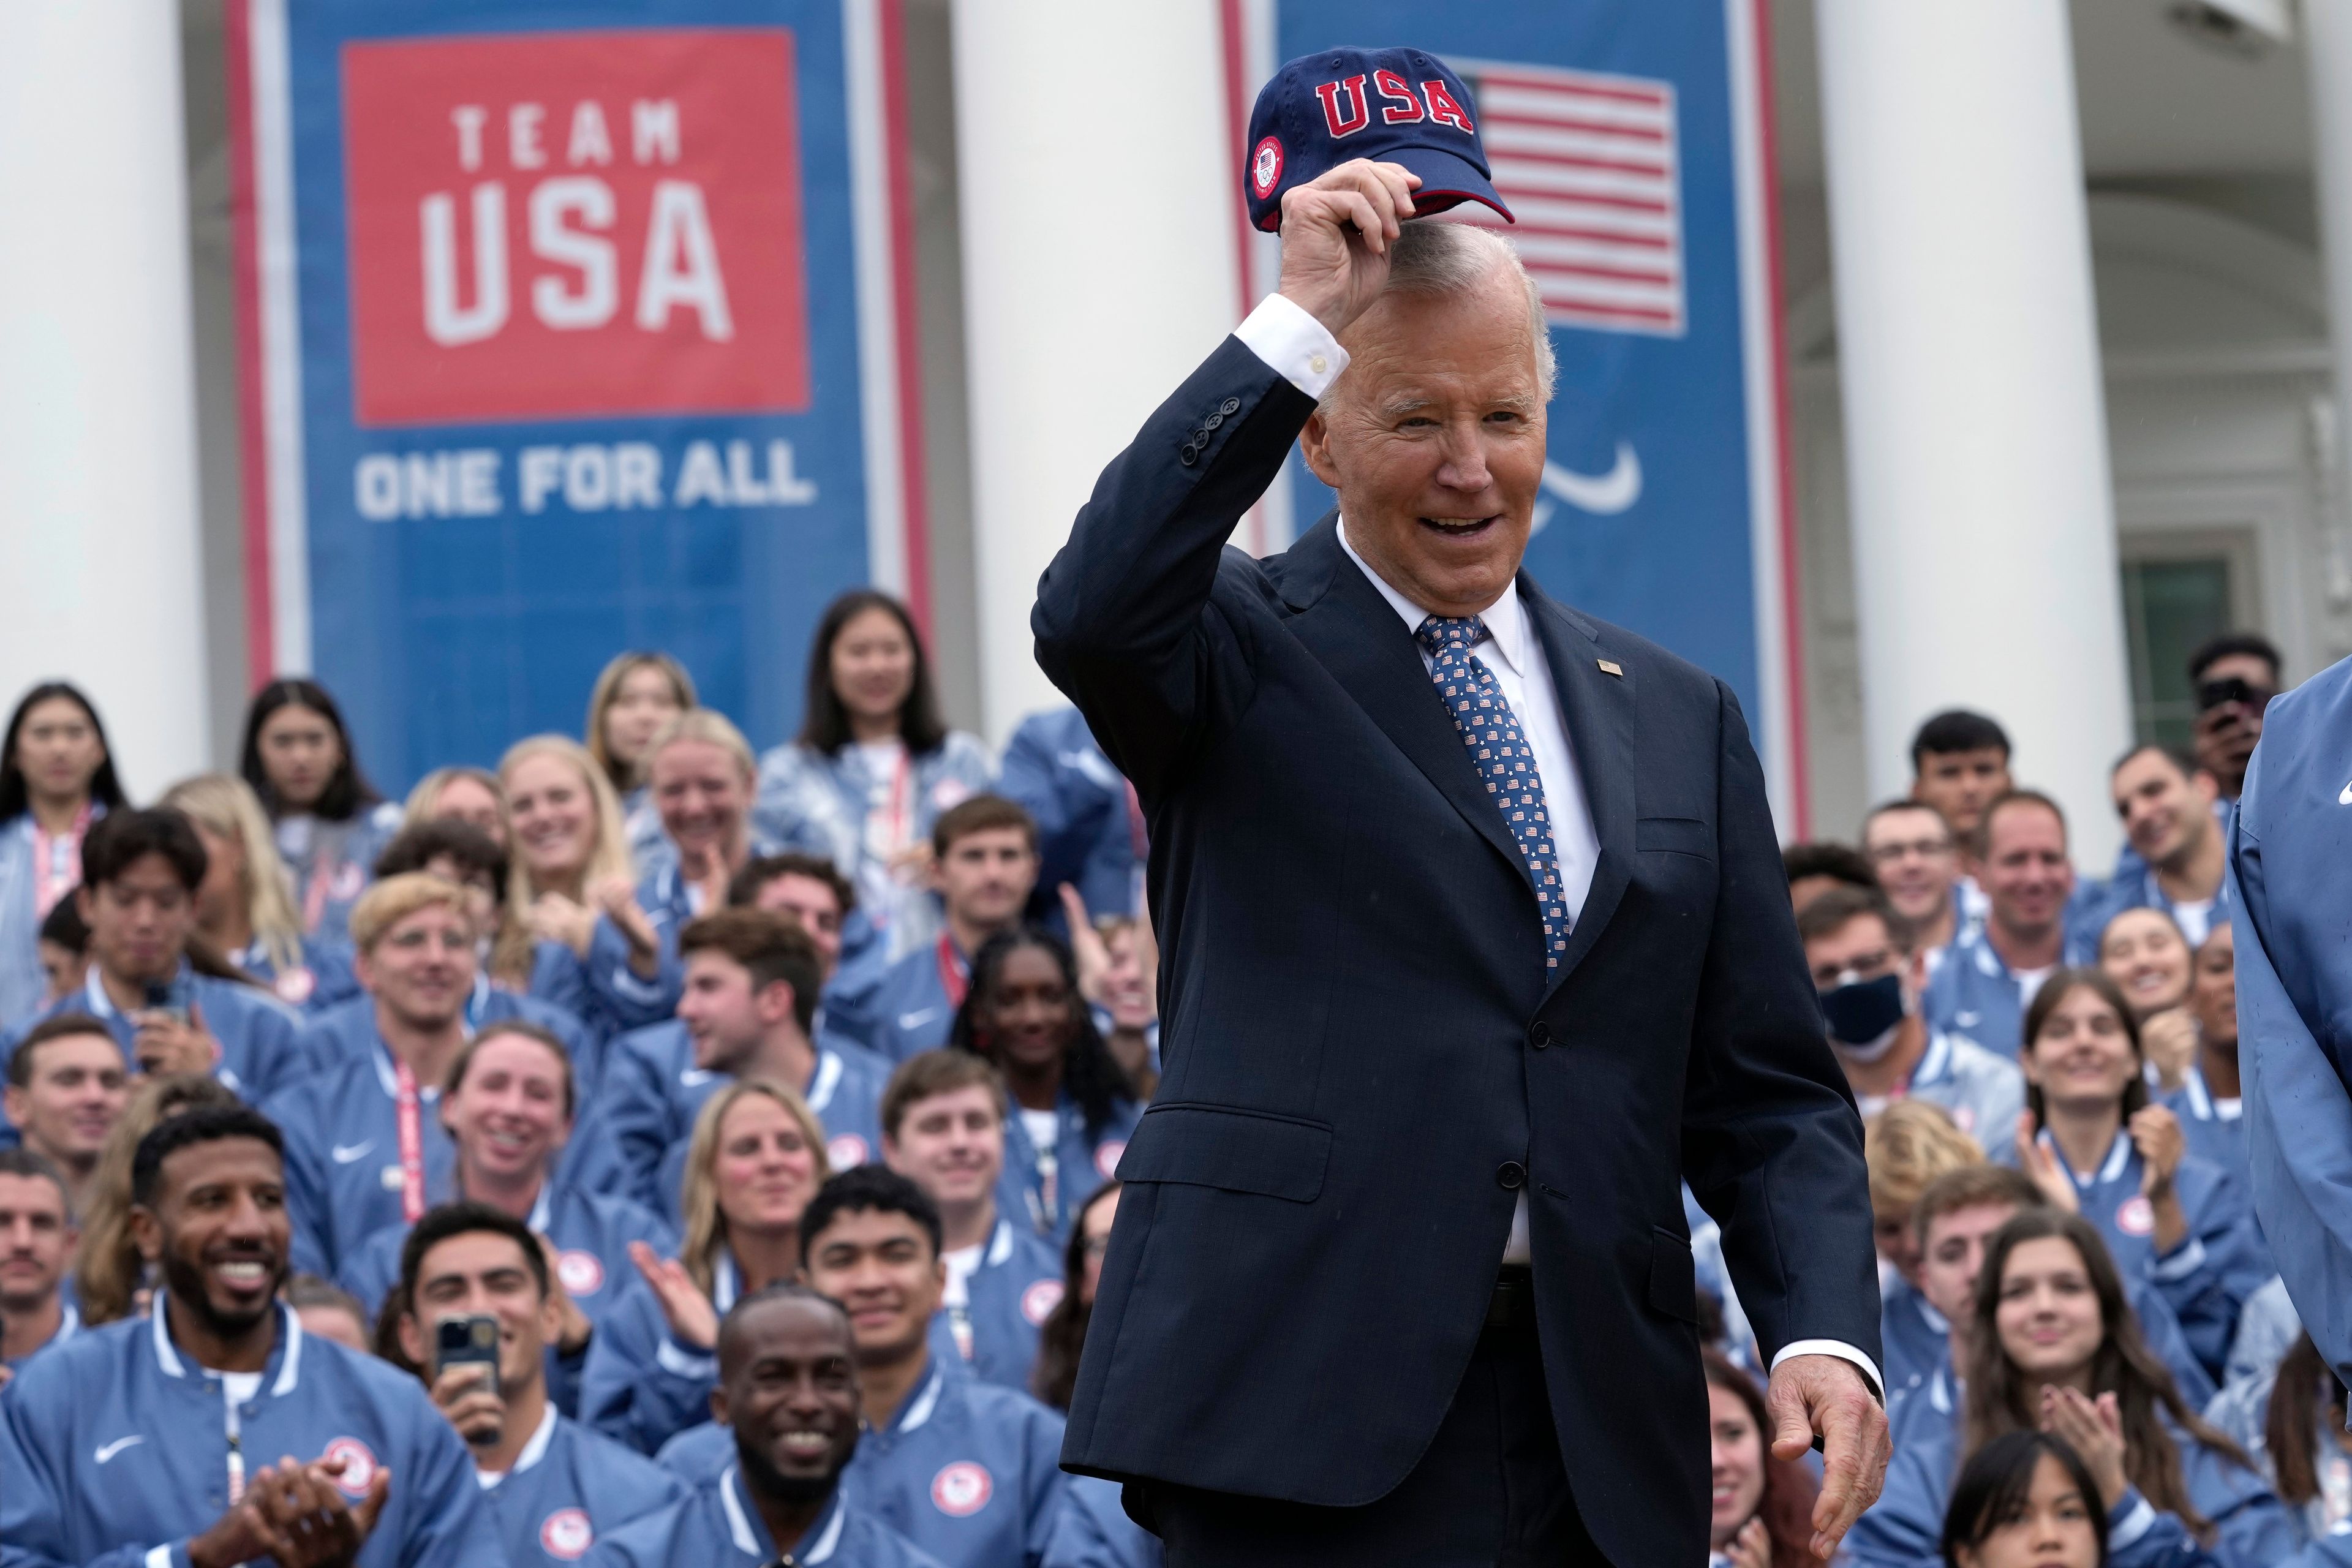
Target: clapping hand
<point>2169,1039</point>
<point>295,1514</point>
<point>2094,1431</point>
<point>2048,1171</point>
<point>692,1318</point>
<point>1751,1548</point>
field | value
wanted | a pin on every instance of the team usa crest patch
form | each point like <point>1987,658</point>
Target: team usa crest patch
<point>566,1534</point>
<point>581,1273</point>
<point>359,1466</point>
<point>961,1489</point>
<point>1038,1301</point>
<point>845,1150</point>
<point>1266,166</point>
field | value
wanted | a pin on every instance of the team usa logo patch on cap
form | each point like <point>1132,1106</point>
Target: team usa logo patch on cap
<point>2135,1216</point>
<point>359,1466</point>
<point>1038,1301</point>
<point>582,1272</point>
<point>1266,166</point>
<point>961,1489</point>
<point>566,1533</point>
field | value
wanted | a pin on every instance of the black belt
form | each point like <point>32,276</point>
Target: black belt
<point>1513,1304</point>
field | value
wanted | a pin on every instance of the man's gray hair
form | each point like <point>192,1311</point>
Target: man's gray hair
<point>1429,258</point>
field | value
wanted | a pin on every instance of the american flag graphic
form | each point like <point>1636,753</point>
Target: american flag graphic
<point>1587,163</point>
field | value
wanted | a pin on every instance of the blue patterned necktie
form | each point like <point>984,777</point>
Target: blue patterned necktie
<point>1500,753</point>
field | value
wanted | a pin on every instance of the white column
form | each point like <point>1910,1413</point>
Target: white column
<point>100,562</point>
<point>2327,57</point>
<point>1098,216</point>
<point>1968,365</point>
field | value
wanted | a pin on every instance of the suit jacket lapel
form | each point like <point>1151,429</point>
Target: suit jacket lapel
<point>1599,709</point>
<point>1363,643</point>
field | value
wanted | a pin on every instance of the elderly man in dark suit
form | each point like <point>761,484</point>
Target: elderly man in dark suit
<point>1476,947</point>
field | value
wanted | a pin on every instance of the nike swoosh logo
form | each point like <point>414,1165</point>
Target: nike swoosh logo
<point>1601,495</point>
<point>1968,1020</point>
<point>2345,798</point>
<point>695,1078</point>
<point>110,1449</point>
<point>918,1018</point>
<point>345,1153</point>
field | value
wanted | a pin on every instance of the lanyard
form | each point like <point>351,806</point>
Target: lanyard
<point>236,1448</point>
<point>57,862</point>
<point>953,979</point>
<point>960,1325</point>
<point>314,893</point>
<point>1048,1161</point>
<point>897,816</point>
<point>412,1146</point>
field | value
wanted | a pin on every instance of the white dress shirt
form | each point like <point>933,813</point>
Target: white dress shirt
<point>1299,349</point>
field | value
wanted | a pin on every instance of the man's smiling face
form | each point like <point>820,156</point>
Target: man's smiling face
<point>1435,439</point>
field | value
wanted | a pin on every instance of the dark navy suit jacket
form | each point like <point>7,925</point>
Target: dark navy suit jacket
<point>1364,1057</point>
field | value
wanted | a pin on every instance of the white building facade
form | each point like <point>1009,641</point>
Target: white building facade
<point>2057,304</point>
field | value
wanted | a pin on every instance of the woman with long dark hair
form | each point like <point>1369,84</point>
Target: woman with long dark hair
<point>1072,1105</point>
<point>2054,1347</point>
<point>57,777</point>
<point>2290,1417</point>
<point>873,765</point>
<point>1761,1508</point>
<point>331,824</point>
<point>2094,1143</point>
<point>1062,1335</point>
<point>2026,1501</point>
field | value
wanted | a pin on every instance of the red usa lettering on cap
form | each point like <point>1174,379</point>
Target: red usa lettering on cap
<point>1398,107</point>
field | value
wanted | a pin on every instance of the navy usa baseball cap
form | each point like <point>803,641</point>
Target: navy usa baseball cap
<point>1393,106</point>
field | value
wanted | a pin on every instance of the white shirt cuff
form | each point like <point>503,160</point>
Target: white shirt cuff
<point>2139,1519</point>
<point>1294,344</point>
<point>1838,1349</point>
<point>2187,1261</point>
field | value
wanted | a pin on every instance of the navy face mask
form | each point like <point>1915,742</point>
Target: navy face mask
<point>1862,1014</point>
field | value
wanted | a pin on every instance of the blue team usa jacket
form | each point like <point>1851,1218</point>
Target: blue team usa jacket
<point>1089,830</point>
<point>570,1489</point>
<point>265,1045</point>
<point>115,1450</point>
<point>969,1472</point>
<point>654,1091</point>
<point>717,1527</point>
<point>1902,1529</point>
<point>2291,904</point>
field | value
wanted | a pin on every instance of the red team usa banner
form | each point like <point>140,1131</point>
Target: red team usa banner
<point>568,328</point>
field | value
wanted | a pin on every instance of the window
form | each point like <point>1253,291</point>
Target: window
<point>2171,606</point>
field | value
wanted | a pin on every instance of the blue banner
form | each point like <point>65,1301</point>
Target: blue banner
<point>577,356</point>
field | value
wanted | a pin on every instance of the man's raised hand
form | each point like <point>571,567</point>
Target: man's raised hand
<point>1336,232</point>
